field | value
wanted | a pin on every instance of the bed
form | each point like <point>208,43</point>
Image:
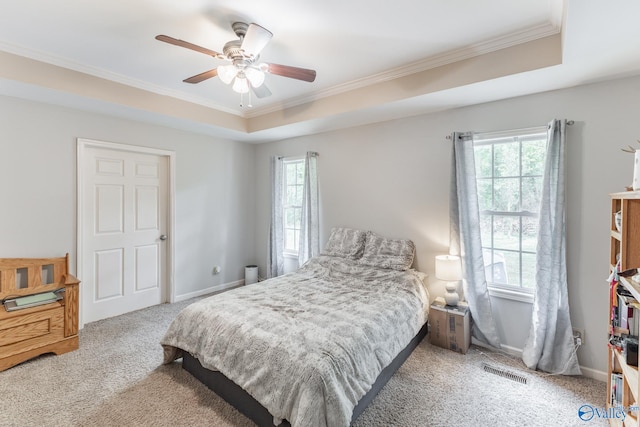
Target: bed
<point>310,348</point>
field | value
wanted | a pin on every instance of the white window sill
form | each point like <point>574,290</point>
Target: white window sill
<point>511,294</point>
<point>290,255</point>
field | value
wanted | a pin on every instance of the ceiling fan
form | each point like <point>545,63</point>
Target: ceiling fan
<point>244,73</point>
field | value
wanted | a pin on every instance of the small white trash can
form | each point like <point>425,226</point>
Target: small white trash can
<point>250,274</point>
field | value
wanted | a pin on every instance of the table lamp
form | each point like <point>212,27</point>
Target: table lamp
<point>449,269</point>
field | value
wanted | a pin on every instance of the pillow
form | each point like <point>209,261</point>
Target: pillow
<point>396,254</point>
<point>345,242</point>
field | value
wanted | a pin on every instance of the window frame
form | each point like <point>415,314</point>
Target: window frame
<point>510,291</point>
<point>286,161</point>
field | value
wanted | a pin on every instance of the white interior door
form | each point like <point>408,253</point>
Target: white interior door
<point>124,209</point>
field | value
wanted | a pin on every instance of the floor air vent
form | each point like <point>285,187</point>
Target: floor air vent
<point>504,373</point>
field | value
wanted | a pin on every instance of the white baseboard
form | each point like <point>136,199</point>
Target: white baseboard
<point>517,352</point>
<point>512,351</point>
<point>594,373</point>
<point>211,290</point>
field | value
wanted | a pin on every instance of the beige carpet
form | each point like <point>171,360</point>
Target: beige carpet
<point>116,379</point>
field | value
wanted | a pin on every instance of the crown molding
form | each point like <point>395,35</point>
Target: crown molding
<point>108,75</point>
<point>478,49</point>
<point>474,50</point>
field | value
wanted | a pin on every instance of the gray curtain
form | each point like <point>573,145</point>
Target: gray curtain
<point>310,225</point>
<point>465,238</point>
<point>549,346</point>
<point>275,259</point>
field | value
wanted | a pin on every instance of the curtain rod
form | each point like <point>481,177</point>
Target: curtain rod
<point>311,153</point>
<point>569,123</point>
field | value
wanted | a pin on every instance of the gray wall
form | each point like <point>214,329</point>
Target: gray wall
<point>393,177</point>
<point>214,213</point>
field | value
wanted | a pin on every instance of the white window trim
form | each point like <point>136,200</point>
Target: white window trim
<point>511,294</point>
<point>481,136</point>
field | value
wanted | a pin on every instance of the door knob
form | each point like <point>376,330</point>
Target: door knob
<point>163,237</point>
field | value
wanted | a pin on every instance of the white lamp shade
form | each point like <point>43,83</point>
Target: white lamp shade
<point>255,76</point>
<point>226,73</point>
<point>448,268</point>
<point>241,85</point>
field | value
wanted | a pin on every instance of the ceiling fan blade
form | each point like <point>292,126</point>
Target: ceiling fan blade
<point>202,76</point>
<point>291,72</point>
<point>255,40</point>
<point>262,91</point>
<point>182,43</point>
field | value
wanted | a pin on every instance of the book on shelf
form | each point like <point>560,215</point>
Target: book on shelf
<point>625,323</point>
<point>623,315</point>
<point>616,389</point>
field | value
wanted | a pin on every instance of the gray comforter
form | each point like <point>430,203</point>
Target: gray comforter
<point>306,345</point>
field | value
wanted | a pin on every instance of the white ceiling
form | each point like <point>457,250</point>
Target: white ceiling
<point>375,60</point>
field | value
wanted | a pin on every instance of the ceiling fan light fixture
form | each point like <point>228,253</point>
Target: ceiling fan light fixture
<point>255,76</point>
<point>227,73</point>
<point>245,74</point>
<point>241,85</point>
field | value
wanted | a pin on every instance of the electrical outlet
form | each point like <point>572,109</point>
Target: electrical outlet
<point>578,336</point>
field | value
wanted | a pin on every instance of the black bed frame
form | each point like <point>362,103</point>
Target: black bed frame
<point>250,407</point>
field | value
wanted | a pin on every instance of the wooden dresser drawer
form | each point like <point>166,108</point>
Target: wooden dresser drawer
<point>30,331</point>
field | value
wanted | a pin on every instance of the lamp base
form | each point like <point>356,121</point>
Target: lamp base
<point>451,298</point>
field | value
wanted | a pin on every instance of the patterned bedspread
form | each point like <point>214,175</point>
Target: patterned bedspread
<point>306,345</point>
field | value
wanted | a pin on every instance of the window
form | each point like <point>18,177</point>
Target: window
<point>509,173</point>
<point>293,181</point>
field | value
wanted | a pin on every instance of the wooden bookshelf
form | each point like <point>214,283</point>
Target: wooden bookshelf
<point>625,247</point>
<point>625,242</point>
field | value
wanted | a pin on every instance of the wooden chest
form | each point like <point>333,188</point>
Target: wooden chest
<point>46,328</point>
